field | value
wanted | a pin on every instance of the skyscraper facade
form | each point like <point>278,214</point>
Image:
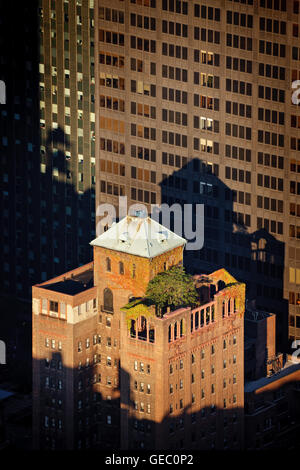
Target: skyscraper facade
<point>67,127</point>
<point>194,105</point>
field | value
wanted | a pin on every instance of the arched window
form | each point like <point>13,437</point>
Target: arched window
<point>234,305</point>
<point>223,309</point>
<point>229,307</point>
<point>108,265</point>
<point>121,267</point>
<point>108,303</point>
<point>192,322</point>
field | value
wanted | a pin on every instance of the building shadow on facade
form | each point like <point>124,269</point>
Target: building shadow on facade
<point>70,413</point>
<point>256,258</point>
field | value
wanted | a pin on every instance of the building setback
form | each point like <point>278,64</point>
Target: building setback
<point>109,373</point>
<point>194,105</point>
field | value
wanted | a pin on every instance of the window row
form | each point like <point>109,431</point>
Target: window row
<point>206,145</point>
<point>109,102</point>
<point>174,73</point>
<point>143,174</point>
<point>145,22</point>
<point>142,387</point>
<point>143,132</point>
<point>206,102</point>
<point>238,109</point>
<point>202,318</point>
<point>238,42</point>
<point>240,132</point>
<point>202,187</point>
<point>269,204</point>
<point>143,196</point>
<point>177,29</point>
<point>272,26</point>
<point>107,166</point>
<point>110,37</point>
<point>54,364</point>
<point>143,110</point>
<point>236,86</point>
<point>273,4</point>
<point>177,6</point>
<point>142,88</point>
<point>273,94</point>
<point>113,189</point>
<point>207,35</point>
<point>112,81</point>
<point>270,225</point>
<point>235,261</point>
<point>172,50</point>
<point>207,124</point>
<point>271,71</point>
<point>238,218</point>
<point>112,146</point>
<point>174,95</point>
<point>143,153</point>
<point>114,125</point>
<point>208,58</point>
<point>270,160</point>
<point>146,3</point>
<point>268,115</point>
<point>239,19</point>
<point>205,79</point>
<point>270,138</point>
<point>241,153</point>
<point>54,344</point>
<point>270,182</point>
<point>141,367</point>
<point>271,48</point>
<point>173,160</point>
<point>172,138</point>
<point>112,59</point>
<point>108,14</point>
<point>143,44</point>
<point>176,182</point>
<point>241,65</point>
<point>238,196</point>
<point>237,175</point>
<point>204,12</point>
<point>174,117</point>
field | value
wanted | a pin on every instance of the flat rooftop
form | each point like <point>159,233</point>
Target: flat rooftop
<point>256,315</point>
<point>72,284</point>
<point>288,368</point>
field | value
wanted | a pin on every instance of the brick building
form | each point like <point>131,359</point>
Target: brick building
<point>272,411</point>
<point>111,374</point>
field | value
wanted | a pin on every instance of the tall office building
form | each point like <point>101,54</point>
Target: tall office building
<point>194,105</point>
<point>47,140</point>
<point>19,149</point>
<point>108,372</point>
<point>67,123</point>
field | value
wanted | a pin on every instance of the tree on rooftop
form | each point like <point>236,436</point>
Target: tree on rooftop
<point>173,288</point>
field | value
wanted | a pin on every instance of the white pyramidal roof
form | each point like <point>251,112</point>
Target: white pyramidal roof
<point>141,236</point>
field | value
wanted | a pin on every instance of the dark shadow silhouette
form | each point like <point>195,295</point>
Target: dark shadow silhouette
<point>254,258</point>
<point>71,413</point>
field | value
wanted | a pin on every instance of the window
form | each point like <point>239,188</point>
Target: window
<point>108,300</point>
<point>108,265</point>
